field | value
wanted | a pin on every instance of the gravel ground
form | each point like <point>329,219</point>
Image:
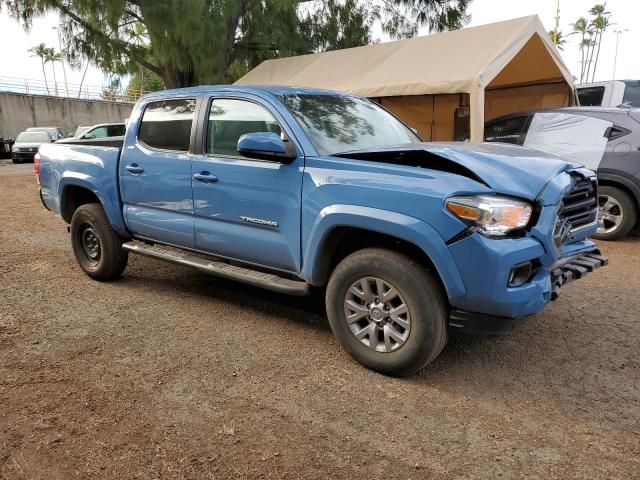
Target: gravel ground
<point>168,373</point>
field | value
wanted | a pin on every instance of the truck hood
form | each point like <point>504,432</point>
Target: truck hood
<point>506,169</point>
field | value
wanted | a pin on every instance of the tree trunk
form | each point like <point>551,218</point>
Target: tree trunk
<point>55,82</point>
<point>82,80</point>
<point>44,72</point>
<point>177,78</point>
<point>582,65</point>
<point>595,65</point>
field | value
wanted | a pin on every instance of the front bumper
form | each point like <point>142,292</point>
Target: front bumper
<point>567,270</point>
<point>563,272</point>
<point>485,265</point>
<point>28,156</point>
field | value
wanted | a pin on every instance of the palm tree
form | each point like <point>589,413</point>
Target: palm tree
<point>53,57</point>
<point>558,39</point>
<point>41,52</point>
<point>599,23</point>
<point>583,28</point>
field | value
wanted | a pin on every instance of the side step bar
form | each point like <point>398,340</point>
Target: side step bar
<point>256,278</point>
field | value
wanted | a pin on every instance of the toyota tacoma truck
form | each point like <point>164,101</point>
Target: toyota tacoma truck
<point>292,189</point>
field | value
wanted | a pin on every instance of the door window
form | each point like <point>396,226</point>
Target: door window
<point>116,130</point>
<point>166,125</point>
<point>100,132</point>
<point>229,119</point>
<point>631,93</point>
<point>507,130</point>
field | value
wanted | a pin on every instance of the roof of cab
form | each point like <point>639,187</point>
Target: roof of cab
<point>274,90</point>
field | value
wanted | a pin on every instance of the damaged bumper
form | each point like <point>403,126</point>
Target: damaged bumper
<point>567,270</point>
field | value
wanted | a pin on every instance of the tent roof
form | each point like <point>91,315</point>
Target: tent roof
<point>451,62</point>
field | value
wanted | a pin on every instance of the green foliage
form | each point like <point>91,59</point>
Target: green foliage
<point>143,82</point>
<point>188,42</point>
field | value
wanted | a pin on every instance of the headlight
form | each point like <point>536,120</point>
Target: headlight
<point>493,215</point>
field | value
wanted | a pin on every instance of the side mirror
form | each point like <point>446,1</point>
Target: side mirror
<point>265,146</point>
<point>88,136</point>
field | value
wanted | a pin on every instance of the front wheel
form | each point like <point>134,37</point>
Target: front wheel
<point>96,246</point>
<point>617,213</point>
<point>387,311</point>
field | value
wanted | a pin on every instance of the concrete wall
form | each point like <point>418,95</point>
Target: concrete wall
<point>19,112</point>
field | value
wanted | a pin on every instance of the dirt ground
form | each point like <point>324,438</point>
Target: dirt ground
<point>168,373</point>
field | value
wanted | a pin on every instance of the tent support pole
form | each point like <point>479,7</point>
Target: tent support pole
<point>477,114</point>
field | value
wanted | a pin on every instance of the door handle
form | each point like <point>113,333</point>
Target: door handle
<point>205,177</point>
<point>134,168</point>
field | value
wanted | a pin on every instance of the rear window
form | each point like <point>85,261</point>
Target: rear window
<point>166,125</point>
<point>591,96</point>
<point>632,93</point>
<point>507,130</point>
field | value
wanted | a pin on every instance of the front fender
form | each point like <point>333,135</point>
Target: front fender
<point>110,204</point>
<point>395,224</point>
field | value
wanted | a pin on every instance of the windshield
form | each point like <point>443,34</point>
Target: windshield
<point>33,137</point>
<point>338,123</point>
<point>80,131</point>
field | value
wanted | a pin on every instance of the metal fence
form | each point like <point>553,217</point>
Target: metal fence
<point>68,90</point>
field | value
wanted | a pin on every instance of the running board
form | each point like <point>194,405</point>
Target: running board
<point>256,278</point>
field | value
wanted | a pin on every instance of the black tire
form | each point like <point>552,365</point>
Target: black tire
<point>420,291</point>
<point>91,232</point>
<point>16,160</point>
<point>627,208</point>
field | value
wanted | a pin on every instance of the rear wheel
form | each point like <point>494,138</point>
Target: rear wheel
<point>96,246</point>
<point>617,213</point>
<point>387,311</point>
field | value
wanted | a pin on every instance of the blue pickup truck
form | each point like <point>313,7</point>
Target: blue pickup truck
<point>292,189</point>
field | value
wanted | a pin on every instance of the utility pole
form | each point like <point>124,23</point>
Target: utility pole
<point>557,16</point>
<point>615,58</point>
<point>64,69</point>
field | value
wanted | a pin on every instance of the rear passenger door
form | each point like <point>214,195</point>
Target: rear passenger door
<point>155,173</point>
<point>246,209</point>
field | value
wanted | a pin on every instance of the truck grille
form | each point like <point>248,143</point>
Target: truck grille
<point>579,208</point>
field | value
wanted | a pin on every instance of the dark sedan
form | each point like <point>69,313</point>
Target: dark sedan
<point>27,145</point>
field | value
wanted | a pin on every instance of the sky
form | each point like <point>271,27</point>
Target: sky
<point>16,62</point>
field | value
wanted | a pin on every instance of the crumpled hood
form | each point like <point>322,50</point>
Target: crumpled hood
<point>506,169</point>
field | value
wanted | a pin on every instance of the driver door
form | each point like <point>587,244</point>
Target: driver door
<point>246,209</point>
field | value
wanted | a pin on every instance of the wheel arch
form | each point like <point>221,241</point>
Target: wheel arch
<point>624,184</point>
<point>344,229</point>
<point>74,192</point>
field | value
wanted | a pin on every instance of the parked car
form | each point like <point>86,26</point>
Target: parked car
<point>54,132</point>
<point>289,189</point>
<point>27,144</point>
<point>612,93</point>
<point>104,134</point>
<point>616,157</point>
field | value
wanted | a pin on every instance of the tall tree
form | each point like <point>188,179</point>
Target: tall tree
<point>599,24</point>
<point>41,51</point>
<point>582,28</point>
<point>53,57</point>
<point>186,42</point>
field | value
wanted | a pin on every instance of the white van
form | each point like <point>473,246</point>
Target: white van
<point>612,93</point>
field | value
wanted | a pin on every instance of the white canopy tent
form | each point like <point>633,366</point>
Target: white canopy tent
<point>440,83</point>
